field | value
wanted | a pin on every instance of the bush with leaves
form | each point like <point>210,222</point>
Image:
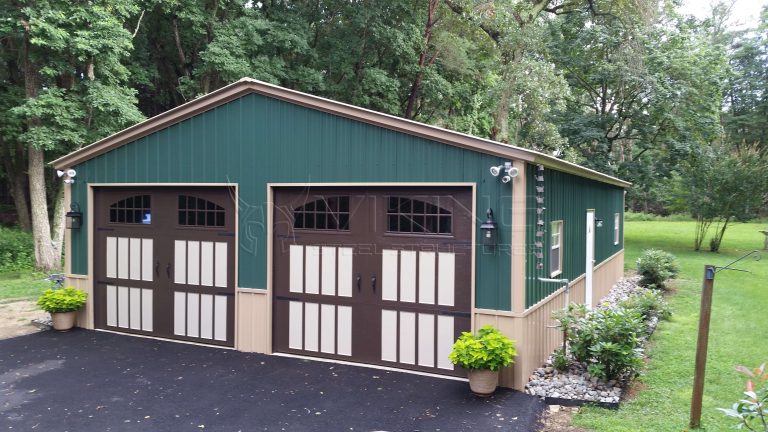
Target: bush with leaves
<point>62,300</point>
<point>560,359</point>
<point>649,304</point>
<point>489,349</point>
<point>752,411</point>
<point>16,250</point>
<point>606,341</point>
<point>655,267</point>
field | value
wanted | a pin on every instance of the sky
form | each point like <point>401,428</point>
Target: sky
<point>745,13</point>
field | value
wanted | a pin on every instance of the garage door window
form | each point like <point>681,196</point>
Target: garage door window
<point>198,212</point>
<point>412,216</point>
<point>327,213</point>
<point>132,210</point>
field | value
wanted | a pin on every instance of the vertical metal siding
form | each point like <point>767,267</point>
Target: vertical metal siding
<point>257,140</point>
<point>567,198</point>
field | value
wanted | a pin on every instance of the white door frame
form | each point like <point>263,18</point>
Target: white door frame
<point>590,257</point>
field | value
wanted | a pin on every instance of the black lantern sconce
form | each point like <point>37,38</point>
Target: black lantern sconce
<point>74,217</point>
<point>488,229</point>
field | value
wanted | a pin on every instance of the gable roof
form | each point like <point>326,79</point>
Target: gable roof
<point>248,85</point>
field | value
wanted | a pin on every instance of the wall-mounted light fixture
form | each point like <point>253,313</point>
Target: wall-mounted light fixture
<point>69,175</point>
<point>74,217</point>
<point>507,168</point>
<point>488,229</point>
<point>599,223</point>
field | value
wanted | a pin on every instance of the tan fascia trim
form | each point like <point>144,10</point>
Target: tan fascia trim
<point>249,85</point>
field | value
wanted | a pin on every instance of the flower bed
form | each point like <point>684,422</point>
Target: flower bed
<point>628,309</point>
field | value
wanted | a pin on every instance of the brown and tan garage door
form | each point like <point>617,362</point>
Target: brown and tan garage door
<point>376,275</point>
<point>164,262</point>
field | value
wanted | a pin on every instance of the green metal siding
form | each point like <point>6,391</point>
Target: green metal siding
<point>256,140</point>
<point>567,198</point>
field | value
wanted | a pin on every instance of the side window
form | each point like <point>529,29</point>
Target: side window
<point>616,222</point>
<point>194,211</point>
<point>412,216</point>
<point>328,213</point>
<point>556,249</point>
<point>132,210</point>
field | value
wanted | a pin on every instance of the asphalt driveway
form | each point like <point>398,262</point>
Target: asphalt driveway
<point>95,381</point>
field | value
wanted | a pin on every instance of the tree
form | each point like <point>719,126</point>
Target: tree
<point>745,116</point>
<point>720,185</point>
<point>645,92</point>
<point>70,87</point>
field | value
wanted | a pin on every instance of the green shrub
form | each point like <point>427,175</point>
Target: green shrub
<point>489,349</point>
<point>752,411</point>
<point>656,267</point>
<point>560,359</point>
<point>62,300</point>
<point>16,250</point>
<point>648,304</point>
<point>644,217</point>
<point>607,342</point>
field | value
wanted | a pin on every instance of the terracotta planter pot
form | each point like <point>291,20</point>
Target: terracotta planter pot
<point>483,382</point>
<point>63,321</point>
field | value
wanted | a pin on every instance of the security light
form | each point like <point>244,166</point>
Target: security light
<point>506,179</point>
<point>60,173</point>
<point>506,166</point>
<point>71,173</point>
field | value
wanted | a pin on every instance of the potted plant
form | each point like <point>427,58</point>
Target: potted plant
<point>62,304</point>
<point>483,355</point>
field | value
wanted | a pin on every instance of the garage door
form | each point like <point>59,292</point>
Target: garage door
<point>379,276</point>
<point>164,262</point>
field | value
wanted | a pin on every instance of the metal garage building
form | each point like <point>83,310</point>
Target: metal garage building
<point>273,221</point>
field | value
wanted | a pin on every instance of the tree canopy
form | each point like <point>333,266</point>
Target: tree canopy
<point>627,87</point>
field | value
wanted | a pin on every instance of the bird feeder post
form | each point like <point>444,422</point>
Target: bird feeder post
<point>701,345</point>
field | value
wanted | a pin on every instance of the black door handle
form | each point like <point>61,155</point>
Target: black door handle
<point>157,269</point>
<point>373,283</point>
<point>359,280</point>
<point>168,270</point>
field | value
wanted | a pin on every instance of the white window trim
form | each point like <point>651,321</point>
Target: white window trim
<point>559,225</point>
<point>616,231</point>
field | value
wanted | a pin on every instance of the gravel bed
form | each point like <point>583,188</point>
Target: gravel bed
<point>576,383</point>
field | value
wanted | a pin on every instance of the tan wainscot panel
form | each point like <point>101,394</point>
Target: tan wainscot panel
<point>534,330</point>
<point>82,282</point>
<point>253,328</point>
<point>606,275</point>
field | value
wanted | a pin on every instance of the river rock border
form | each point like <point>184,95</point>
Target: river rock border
<point>575,387</point>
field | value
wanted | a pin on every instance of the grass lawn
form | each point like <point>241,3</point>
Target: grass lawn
<point>22,285</point>
<point>737,332</point>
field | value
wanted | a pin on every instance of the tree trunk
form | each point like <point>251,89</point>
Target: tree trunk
<point>500,131</point>
<point>14,166</point>
<point>714,244</point>
<point>57,231</point>
<point>41,228</point>
<point>45,257</point>
<point>702,226</point>
<point>179,47</point>
<point>413,97</point>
